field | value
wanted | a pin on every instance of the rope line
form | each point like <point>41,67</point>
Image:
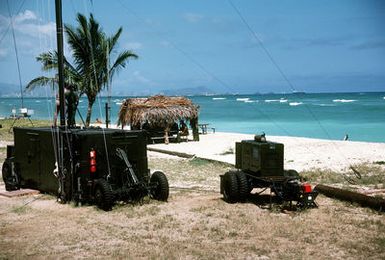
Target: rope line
<point>291,86</point>
<point>9,25</point>
<point>17,54</point>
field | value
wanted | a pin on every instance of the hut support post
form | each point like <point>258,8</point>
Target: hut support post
<point>195,130</point>
<point>166,130</point>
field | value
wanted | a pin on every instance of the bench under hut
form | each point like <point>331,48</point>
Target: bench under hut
<point>159,112</point>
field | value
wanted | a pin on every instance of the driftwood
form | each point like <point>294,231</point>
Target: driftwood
<point>354,197</point>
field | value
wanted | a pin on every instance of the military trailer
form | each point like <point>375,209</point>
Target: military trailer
<point>260,164</point>
<point>100,166</point>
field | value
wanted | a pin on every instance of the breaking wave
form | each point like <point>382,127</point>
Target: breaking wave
<point>344,100</point>
<point>218,98</point>
<point>281,100</point>
<point>326,105</point>
<point>295,103</point>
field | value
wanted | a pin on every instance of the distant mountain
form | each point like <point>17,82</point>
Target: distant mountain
<point>12,90</point>
<point>9,90</point>
<point>188,91</point>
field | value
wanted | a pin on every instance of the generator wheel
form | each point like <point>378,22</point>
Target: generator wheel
<point>243,185</point>
<point>10,178</point>
<point>291,173</point>
<point>161,191</point>
<point>278,190</point>
<point>104,198</point>
<point>230,187</point>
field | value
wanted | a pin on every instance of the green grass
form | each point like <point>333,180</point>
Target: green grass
<point>322,176</point>
<point>6,133</point>
<point>20,209</point>
<point>369,174</point>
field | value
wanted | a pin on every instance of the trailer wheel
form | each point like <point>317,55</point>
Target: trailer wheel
<point>230,187</point>
<point>104,197</point>
<point>10,178</point>
<point>291,173</point>
<point>243,185</point>
<point>161,190</point>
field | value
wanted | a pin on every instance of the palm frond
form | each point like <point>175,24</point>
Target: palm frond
<point>40,81</point>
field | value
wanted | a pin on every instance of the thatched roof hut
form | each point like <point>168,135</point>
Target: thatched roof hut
<point>158,111</point>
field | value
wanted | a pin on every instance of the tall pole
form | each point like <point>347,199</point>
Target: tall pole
<point>59,36</point>
<point>17,55</point>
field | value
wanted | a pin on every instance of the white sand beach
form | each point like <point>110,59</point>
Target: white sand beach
<point>300,153</point>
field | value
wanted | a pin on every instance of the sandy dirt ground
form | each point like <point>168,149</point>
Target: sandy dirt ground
<point>195,223</point>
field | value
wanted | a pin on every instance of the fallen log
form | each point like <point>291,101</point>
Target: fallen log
<point>354,197</point>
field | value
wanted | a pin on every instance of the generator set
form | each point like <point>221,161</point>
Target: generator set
<point>260,164</point>
<point>100,166</point>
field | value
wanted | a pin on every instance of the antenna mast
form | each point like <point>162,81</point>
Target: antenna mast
<point>59,36</point>
<point>17,56</point>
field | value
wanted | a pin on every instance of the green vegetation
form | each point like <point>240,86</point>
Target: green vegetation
<point>6,133</point>
<point>20,209</point>
<point>92,69</point>
<point>370,174</point>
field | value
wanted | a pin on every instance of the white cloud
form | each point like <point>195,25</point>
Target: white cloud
<point>28,23</point>
<point>36,30</point>
<point>27,15</point>
<point>192,18</point>
<point>133,45</point>
<point>33,34</point>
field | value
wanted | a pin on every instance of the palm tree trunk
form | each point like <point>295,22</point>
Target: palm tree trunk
<point>89,111</point>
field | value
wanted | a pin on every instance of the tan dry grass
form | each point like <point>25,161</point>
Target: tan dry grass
<point>193,224</point>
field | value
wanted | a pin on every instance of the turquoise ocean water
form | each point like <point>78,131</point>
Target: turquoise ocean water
<point>325,116</point>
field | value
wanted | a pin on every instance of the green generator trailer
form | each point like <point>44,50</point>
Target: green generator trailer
<point>260,164</point>
<point>100,166</point>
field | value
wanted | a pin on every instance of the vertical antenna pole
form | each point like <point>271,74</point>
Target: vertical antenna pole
<point>107,114</point>
<point>17,55</point>
<point>59,36</point>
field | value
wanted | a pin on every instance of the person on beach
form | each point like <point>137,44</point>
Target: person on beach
<point>183,128</point>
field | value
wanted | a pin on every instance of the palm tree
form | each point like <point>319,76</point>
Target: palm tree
<point>91,50</point>
<point>92,69</point>
<point>72,82</point>
<point>49,62</point>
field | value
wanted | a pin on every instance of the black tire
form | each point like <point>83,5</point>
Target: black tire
<point>278,190</point>
<point>230,187</point>
<point>161,189</point>
<point>10,178</point>
<point>243,185</point>
<point>104,197</point>
<point>291,173</point>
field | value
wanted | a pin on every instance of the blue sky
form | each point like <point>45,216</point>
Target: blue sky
<point>321,46</point>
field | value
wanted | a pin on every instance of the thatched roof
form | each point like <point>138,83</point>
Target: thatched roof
<point>157,110</point>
